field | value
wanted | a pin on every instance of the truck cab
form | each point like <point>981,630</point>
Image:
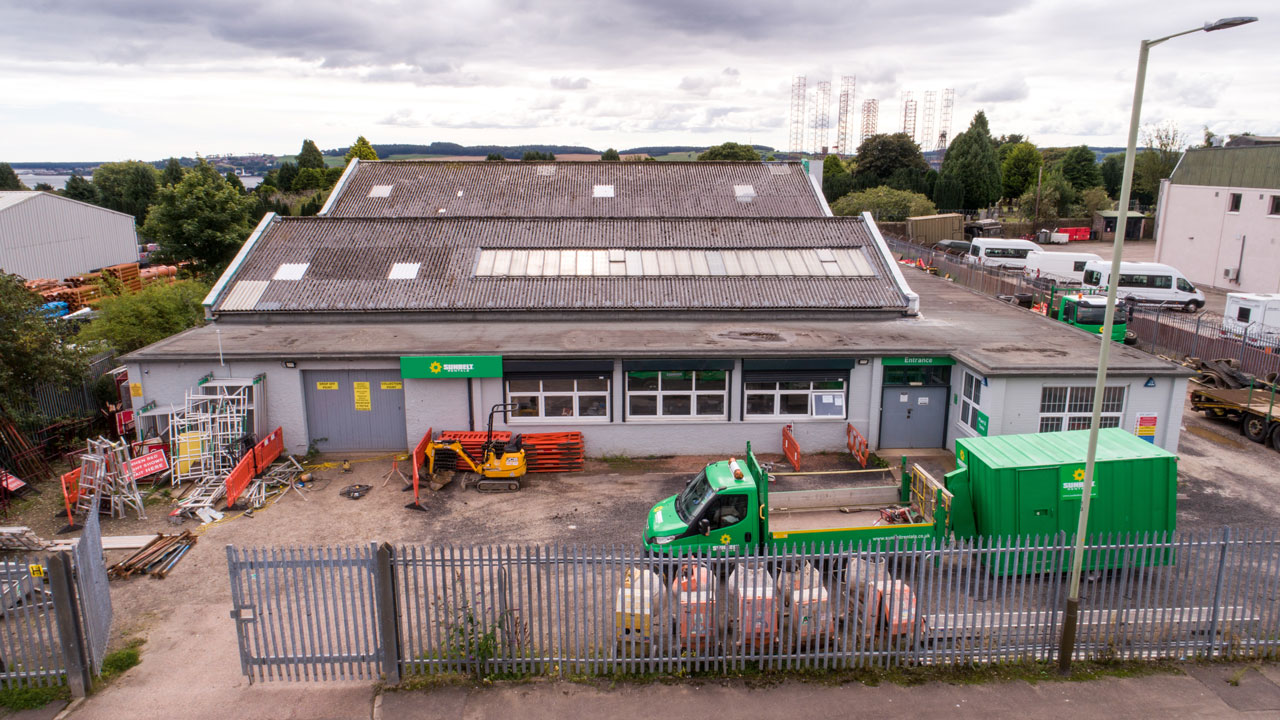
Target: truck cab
<point>718,507</point>
<point>1088,312</point>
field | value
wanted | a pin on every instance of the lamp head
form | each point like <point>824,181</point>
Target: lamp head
<point>1230,22</point>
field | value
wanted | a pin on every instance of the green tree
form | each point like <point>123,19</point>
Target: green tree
<point>1043,212</point>
<point>731,152</point>
<point>9,179</point>
<point>1094,199</point>
<point>1112,170</point>
<point>201,220</point>
<point>308,179</point>
<point>836,179</point>
<point>77,188</point>
<point>971,158</point>
<point>1080,168</point>
<point>43,187</point>
<point>948,193</point>
<point>33,351</point>
<point>1209,136</point>
<point>285,176</point>
<point>172,173</point>
<point>128,187</point>
<point>1066,194</point>
<point>361,149</point>
<point>879,156</point>
<point>312,205</point>
<point>495,157</point>
<point>1018,171</point>
<point>538,156</point>
<point>310,156</point>
<point>912,180</point>
<point>1005,145</point>
<point>234,181</point>
<point>134,320</point>
<point>885,204</point>
<point>1164,144</point>
<point>610,155</point>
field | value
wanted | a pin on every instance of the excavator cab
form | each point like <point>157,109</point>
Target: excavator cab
<point>502,464</point>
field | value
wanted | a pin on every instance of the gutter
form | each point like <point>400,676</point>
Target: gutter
<point>913,298</point>
<point>339,186</point>
<point>212,298</point>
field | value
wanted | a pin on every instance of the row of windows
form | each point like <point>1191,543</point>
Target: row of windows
<point>1234,200</point>
<point>1071,408</point>
<point>692,393</point>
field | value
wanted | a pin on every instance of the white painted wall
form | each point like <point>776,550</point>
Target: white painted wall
<point>1198,236</point>
<point>47,236</point>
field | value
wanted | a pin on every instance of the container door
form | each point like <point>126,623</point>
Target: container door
<point>1037,508</point>
<point>913,416</point>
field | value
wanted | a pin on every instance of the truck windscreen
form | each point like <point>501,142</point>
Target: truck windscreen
<point>1095,315</point>
<point>698,492</point>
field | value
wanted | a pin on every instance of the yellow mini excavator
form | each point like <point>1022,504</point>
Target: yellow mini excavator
<point>500,465</point>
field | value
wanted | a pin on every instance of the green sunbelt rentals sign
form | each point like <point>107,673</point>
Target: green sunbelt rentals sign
<point>431,367</point>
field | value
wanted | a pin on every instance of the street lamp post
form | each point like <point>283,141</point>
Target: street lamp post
<point>1068,641</point>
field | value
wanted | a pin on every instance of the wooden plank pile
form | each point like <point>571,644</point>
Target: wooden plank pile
<point>156,558</point>
<point>554,452</point>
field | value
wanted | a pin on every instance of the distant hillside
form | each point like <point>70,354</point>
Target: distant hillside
<point>448,148</point>
<point>658,150</point>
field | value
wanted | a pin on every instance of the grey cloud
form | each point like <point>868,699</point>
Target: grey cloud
<point>402,118</point>
<point>567,83</point>
<point>703,85</point>
<point>1007,89</point>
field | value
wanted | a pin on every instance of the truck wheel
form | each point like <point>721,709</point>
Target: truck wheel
<point>1254,427</point>
<point>1130,337</point>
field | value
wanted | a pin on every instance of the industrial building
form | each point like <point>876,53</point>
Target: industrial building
<point>685,322</point>
<point>44,235</point>
<point>1218,219</point>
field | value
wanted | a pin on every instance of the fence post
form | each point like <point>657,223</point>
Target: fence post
<point>70,631</point>
<point>1195,344</point>
<point>388,614</point>
<point>1217,592</point>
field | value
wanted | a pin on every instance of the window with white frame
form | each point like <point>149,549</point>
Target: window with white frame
<point>1071,408</point>
<point>795,398</point>
<point>677,393</point>
<point>970,400</point>
<point>559,397</point>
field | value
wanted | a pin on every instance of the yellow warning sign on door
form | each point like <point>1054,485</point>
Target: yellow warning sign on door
<point>392,385</point>
<point>326,386</point>
<point>363,399</point>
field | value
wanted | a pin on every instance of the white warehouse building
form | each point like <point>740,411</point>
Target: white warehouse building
<point>44,235</point>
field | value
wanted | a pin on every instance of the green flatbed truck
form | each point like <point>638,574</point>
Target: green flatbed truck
<point>729,509</point>
<point>1087,313</point>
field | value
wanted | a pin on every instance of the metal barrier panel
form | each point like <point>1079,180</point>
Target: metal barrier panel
<point>306,613</point>
<point>30,653</point>
<point>564,610</point>
<point>95,596</point>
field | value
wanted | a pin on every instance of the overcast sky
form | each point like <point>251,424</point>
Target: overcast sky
<point>116,79</point>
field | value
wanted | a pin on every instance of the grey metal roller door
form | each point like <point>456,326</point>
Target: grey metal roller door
<point>341,417</point>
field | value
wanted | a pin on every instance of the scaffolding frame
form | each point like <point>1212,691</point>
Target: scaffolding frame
<point>106,475</point>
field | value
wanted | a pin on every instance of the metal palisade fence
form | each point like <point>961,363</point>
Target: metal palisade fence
<point>364,613</point>
<point>1160,330</point>
<point>55,615</point>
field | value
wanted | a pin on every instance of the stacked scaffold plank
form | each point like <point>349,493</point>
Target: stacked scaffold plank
<point>554,452</point>
<point>473,441</point>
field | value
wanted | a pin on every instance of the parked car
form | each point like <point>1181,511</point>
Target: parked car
<point>1145,282</point>
<point>952,247</point>
<point>1062,267</point>
<point>1001,252</point>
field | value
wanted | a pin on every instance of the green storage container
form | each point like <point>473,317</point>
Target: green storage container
<point>1022,486</point>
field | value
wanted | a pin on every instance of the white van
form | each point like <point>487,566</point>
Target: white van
<point>1001,252</point>
<point>1061,267</point>
<point>1146,282</point>
<point>1253,316</point>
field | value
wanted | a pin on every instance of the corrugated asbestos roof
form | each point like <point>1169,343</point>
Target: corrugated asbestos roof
<point>1238,167</point>
<point>424,188</point>
<point>349,260</point>
<point>9,198</point>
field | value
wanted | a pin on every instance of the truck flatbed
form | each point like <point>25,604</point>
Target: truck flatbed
<point>1258,400</point>
<point>831,510</point>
